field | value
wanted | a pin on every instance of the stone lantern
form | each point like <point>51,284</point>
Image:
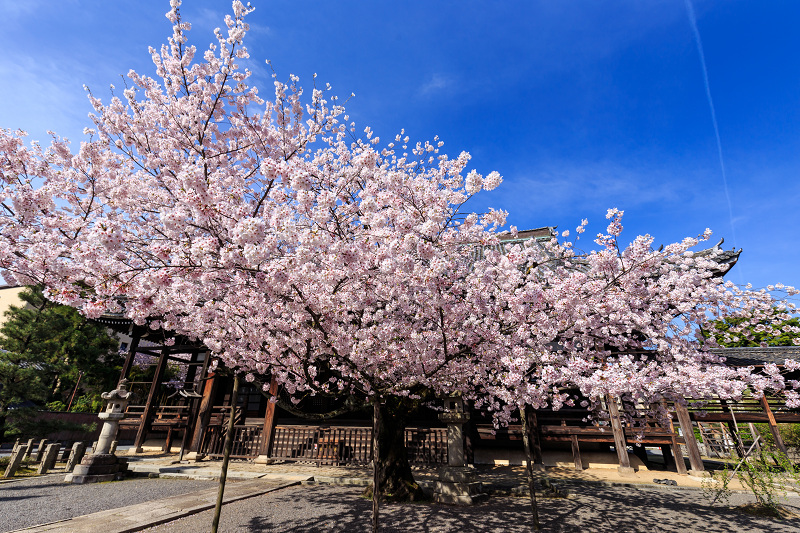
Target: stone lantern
<point>456,484</point>
<point>102,465</point>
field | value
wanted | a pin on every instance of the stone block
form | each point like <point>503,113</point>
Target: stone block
<point>15,461</point>
<point>83,469</point>
<point>98,467</point>
<point>49,459</point>
<point>457,489</point>
<point>75,455</point>
<point>29,447</point>
<point>100,459</point>
<point>458,474</point>
<point>81,479</point>
<point>40,450</point>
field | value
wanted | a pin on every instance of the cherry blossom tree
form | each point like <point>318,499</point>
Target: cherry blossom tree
<point>293,247</point>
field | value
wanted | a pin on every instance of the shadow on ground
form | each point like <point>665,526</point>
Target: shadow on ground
<point>332,509</point>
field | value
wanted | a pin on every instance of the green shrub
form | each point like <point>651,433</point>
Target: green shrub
<point>767,474</point>
<point>56,406</point>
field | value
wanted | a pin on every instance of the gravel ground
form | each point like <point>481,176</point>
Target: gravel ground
<point>324,508</point>
<point>47,499</point>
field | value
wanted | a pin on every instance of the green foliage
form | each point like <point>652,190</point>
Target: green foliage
<point>767,474</point>
<point>753,336</point>
<point>47,351</point>
<point>88,403</point>
<point>56,406</point>
<point>790,434</point>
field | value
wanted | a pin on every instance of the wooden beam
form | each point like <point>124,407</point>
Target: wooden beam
<point>748,416</point>
<point>773,426</point>
<point>688,436</point>
<point>619,437</point>
<point>144,425</point>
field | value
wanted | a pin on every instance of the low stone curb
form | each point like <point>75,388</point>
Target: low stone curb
<point>148,514</point>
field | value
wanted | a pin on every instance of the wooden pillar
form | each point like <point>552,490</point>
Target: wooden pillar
<point>677,452</point>
<point>144,425</point>
<point>576,453</point>
<point>619,438</point>
<point>773,426</point>
<point>191,415</point>
<point>126,366</point>
<point>268,430</point>
<point>688,436</point>
<point>204,415</point>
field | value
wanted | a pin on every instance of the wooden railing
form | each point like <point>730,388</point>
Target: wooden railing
<point>164,415</point>
<point>246,441</point>
<point>426,446</point>
<point>335,445</point>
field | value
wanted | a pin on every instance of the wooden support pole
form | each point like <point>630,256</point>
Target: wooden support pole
<point>619,438</point>
<point>144,425</point>
<point>773,426</point>
<point>733,428</point>
<point>576,453</point>
<point>194,404</point>
<point>268,430</point>
<point>688,436</point>
<point>677,453</point>
<point>755,435</point>
<point>204,415</point>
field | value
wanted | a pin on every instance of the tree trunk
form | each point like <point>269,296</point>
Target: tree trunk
<point>376,448</point>
<point>393,470</point>
<point>526,439</point>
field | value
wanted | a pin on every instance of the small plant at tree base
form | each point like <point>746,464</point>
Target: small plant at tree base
<point>767,474</point>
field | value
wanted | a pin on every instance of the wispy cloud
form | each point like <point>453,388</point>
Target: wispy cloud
<point>437,82</point>
<point>570,187</point>
<point>40,96</point>
<point>12,9</point>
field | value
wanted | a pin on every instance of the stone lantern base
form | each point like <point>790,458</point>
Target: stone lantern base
<point>457,486</point>
<point>97,468</point>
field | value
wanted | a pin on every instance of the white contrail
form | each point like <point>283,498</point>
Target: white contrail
<point>693,22</point>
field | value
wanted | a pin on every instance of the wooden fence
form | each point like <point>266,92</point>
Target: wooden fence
<point>334,445</point>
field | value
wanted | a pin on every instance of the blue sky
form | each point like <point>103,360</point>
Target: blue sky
<point>580,105</point>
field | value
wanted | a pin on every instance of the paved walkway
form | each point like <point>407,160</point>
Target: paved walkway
<point>140,516</point>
